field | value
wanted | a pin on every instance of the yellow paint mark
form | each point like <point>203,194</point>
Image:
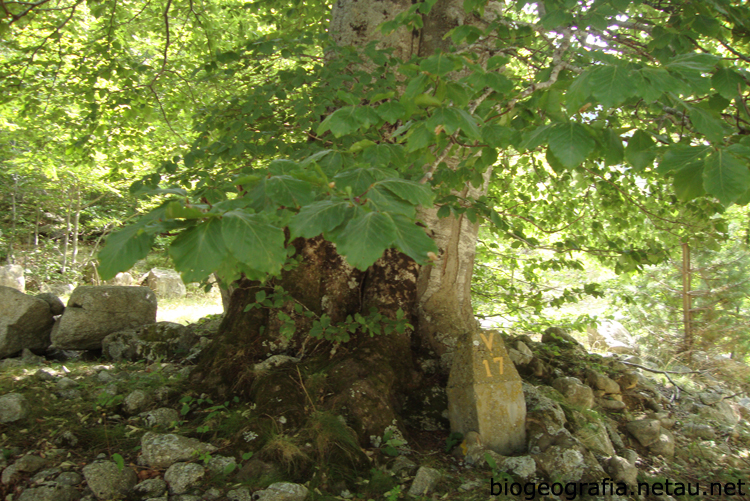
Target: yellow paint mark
<point>499,360</point>
<point>487,366</point>
<point>487,343</point>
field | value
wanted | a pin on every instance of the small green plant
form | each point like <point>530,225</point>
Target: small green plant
<point>453,440</point>
<point>373,324</point>
<point>393,443</point>
<point>119,461</point>
<point>393,494</point>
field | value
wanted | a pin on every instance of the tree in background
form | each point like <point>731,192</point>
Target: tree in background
<point>342,161</point>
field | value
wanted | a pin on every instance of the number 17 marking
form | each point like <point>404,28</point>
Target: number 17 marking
<point>498,360</point>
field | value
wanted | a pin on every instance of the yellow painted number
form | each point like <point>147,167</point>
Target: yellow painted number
<point>498,360</point>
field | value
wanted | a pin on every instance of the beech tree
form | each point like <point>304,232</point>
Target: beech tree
<point>344,156</point>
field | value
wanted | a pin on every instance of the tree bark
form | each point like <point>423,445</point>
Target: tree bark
<point>76,220</point>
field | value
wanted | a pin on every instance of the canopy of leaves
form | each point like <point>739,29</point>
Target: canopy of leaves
<point>582,110</point>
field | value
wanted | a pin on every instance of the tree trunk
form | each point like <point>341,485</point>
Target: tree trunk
<point>373,382</point>
<point>76,220</point>
<point>66,237</point>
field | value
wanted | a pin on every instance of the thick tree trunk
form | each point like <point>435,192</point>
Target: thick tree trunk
<point>373,382</point>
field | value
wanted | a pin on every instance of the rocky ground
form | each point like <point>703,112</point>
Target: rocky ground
<point>103,427</point>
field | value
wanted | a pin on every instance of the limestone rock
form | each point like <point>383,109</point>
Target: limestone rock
<point>595,438</point>
<point>54,492</point>
<point>282,491</point>
<point>56,306</point>
<point>601,382</point>
<point>702,431</point>
<point>710,397</point>
<point>610,404</point>
<point>274,361</point>
<point>424,482</point>
<point>576,393</point>
<point>545,421</point>
<point>646,431</point>
<point>241,494</point>
<point>122,279</point>
<point>150,488</point>
<point>519,358</point>
<point>107,481</point>
<point>151,342</point>
<point>219,464</point>
<point>13,407</point>
<point>163,450</point>
<point>184,477</point>
<point>622,470</point>
<point>163,416</point>
<point>612,336</point>
<point>95,311</point>
<point>558,336</point>
<point>165,283</point>
<point>562,463</point>
<point>627,381</point>
<point>136,402</point>
<point>485,393</point>
<point>25,322</point>
<point>664,444</point>
<point>520,466</point>
<point>11,275</point>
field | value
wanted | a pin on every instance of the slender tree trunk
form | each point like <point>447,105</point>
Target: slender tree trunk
<point>76,219</point>
<point>36,226</point>
<point>14,217</point>
<point>66,237</point>
<point>687,303</point>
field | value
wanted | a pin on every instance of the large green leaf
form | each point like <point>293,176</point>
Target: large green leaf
<point>391,111</point>
<point>318,218</point>
<point>288,191</point>
<point>707,125</point>
<point>610,85</point>
<point>439,64</point>
<point>571,143</point>
<point>341,122</point>
<point>640,150</point>
<point>725,177</point>
<point>365,238</point>
<point>358,179</point>
<point>688,181</point>
<point>198,251</point>
<point>410,191</point>
<point>123,249</point>
<point>412,239</point>
<point>253,241</point>
<point>679,155</point>
<point>383,200</point>
<point>728,83</point>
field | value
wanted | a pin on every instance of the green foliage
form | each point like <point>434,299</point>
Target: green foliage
<point>119,461</point>
<point>241,124</point>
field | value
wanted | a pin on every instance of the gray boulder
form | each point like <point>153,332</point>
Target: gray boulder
<point>576,393</point>
<point>122,279</point>
<point>56,305</point>
<point>163,416</point>
<point>25,322</point>
<point>151,488</point>
<point>13,407</point>
<point>153,341</point>
<point>165,283</point>
<point>107,481</point>
<point>54,492</point>
<point>163,450</point>
<point>646,431</point>
<point>11,275</point>
<point>184,477</point>
<point>282,491</point>
<point>424,482</point>
<point>612,336</point>
<point>95,311</point>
